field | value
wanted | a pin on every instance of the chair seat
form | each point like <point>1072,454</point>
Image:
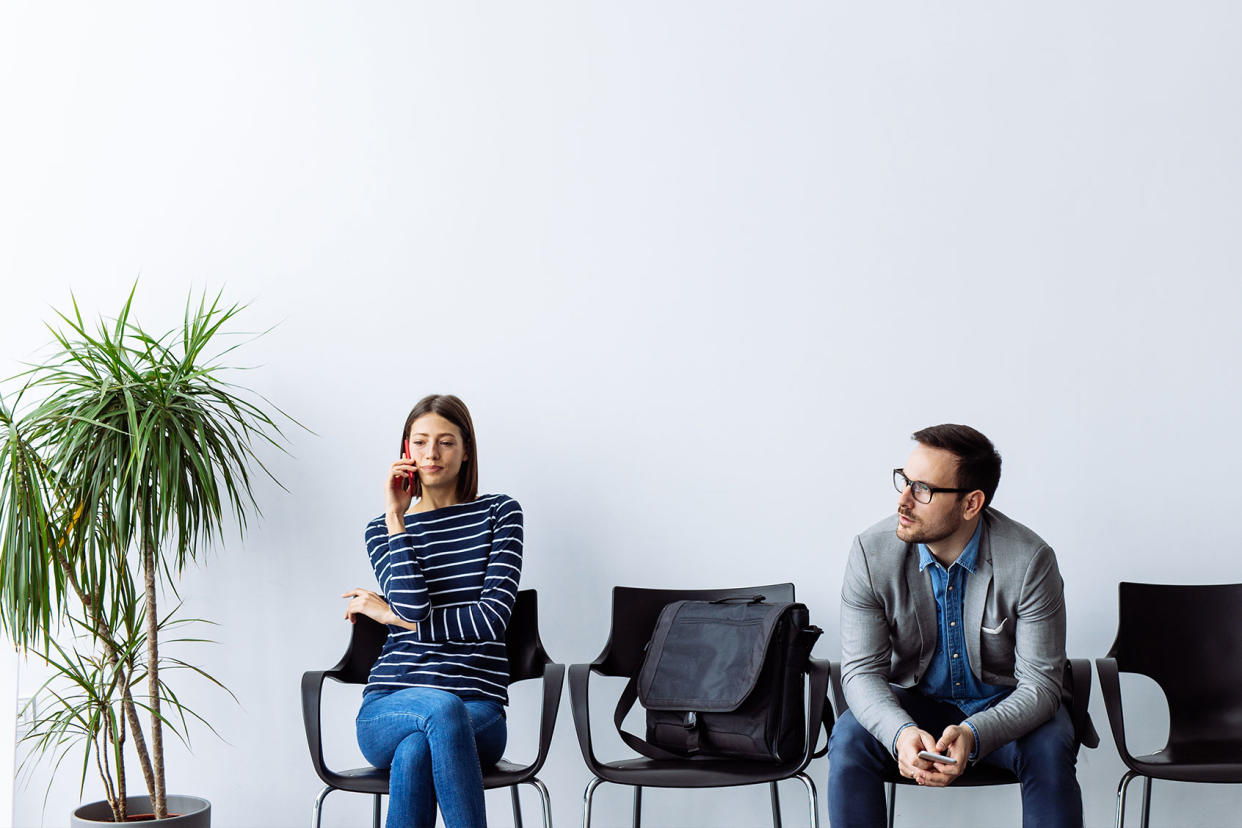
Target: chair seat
<point>375,780</point>
<point>505,773</point>
<point>692,773</point>
<point>1205,762</point>
<point>359,780</point>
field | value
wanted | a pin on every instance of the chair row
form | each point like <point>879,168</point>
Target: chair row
<point>1161,634</point>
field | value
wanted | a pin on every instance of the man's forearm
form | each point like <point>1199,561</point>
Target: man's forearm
<point>871,700</point>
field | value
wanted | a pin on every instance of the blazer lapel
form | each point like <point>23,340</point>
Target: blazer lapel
<point>976,596</point>
<point>924,605</point>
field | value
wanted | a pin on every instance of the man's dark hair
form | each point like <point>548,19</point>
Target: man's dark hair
<point>978,462</point>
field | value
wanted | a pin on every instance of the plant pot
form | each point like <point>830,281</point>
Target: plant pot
<point>184,812</point>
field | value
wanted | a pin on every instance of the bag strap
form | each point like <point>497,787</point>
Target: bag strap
<point>628,696</point>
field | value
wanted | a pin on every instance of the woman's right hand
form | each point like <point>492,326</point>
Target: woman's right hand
<point>397,497</point>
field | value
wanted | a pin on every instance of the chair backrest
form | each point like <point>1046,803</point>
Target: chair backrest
<point>527,657</point>
<point>525,649</point>
<point>634,614</point>
<point>1189,640</point>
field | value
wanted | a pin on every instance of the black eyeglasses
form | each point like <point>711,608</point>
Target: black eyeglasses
<point>921,491</point>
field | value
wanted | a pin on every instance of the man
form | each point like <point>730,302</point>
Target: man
<point>953,642</point>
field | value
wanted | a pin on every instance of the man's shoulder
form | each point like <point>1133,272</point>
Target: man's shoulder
<point>882,552</point>
<point>1007,535</point>
<point>882,535</point>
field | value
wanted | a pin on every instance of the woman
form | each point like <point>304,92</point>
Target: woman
<point>448,568</point>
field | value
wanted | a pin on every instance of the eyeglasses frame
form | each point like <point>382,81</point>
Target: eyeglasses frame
<point>933,490</point>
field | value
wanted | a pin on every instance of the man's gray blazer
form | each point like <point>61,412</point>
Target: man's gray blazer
<point>1014,619</point>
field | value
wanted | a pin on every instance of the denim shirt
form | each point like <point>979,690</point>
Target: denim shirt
<point>949,677</point>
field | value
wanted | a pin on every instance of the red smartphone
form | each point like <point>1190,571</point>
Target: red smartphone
<point>408,485</point>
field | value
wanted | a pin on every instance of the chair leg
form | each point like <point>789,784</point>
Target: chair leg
<point>813,796</point>
<point>638,806</point>
<point>776,806</point>
<point>517,807</point>
<point>1121,796</point>
<point>892,803</point>
<point>375,819</point>
<point>544,800</point>
<point>1146,800</point>
<point>586,800</point>
<point>318,811</point>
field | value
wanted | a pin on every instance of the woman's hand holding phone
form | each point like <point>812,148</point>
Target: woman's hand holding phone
<point>398,492</point>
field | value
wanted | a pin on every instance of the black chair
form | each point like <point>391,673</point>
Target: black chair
<point>1189,640</point>
<point>527,660</point>
<point>1078,690</point>
<point>634,614</point>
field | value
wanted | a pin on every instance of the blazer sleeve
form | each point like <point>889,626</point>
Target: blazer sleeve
<point>866,652</point>
<point>1039,658</point>
<point>486,619</point>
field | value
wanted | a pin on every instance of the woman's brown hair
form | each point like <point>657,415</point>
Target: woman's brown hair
<point>454,410</point>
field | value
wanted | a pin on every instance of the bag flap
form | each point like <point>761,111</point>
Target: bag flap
<point>706,656</point>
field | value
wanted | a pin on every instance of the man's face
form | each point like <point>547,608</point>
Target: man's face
<point>935,521</point>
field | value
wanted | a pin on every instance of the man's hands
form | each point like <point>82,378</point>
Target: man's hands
<point>957,741</point>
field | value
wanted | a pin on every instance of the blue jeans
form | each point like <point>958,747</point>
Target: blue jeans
<point>1043,760</point>
<point>433,744</point>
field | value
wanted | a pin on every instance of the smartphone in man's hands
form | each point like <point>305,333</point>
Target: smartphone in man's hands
<point>937,757</point>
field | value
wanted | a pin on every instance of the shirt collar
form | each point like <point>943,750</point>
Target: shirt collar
<point>967,560</point>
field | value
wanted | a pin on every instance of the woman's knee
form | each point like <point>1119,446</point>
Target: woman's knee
<point>442,704</point>
<point>446,713</point>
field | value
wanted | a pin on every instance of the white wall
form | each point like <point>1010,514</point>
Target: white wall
<point>698,268</point>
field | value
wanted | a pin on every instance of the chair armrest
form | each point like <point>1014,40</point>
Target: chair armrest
<point>1084,728</point>
<point>838,692</point>
<point>579,678</point>
<point>553,685</point>
<point>819,712</point>
<point>312,690</point>
<point>1110,688</point>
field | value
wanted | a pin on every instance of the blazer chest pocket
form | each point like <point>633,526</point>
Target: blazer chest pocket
<point>996,645</point>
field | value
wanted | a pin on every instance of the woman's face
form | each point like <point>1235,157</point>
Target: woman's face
<point>436,446</point>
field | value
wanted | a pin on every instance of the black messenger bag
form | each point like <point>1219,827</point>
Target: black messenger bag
<point>723,678</point>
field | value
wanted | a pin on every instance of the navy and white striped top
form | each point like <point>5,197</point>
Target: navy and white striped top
<point>454,572</point>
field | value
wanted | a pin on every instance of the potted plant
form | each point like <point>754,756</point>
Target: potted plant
<point>122,454</point>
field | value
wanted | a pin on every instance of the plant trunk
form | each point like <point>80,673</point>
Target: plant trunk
<point>101,762</point>
<point>120,755</point>
<point>127,699</point>
<point>140,742</point>
<point>158,799</point>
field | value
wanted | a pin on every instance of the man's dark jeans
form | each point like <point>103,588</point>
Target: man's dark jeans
<point>1043,760</point>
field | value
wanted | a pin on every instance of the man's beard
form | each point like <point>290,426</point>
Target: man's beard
<point>922,532</point>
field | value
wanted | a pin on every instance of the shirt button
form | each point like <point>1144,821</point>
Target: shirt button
<point>952,623</point>
<point>955,655</point>
<point>957,684</point>
<point>950,589</point>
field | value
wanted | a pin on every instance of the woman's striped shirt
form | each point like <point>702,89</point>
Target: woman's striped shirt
<point>454,571</point>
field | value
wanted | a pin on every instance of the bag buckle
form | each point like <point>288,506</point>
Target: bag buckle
<point>690,721</point>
